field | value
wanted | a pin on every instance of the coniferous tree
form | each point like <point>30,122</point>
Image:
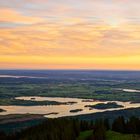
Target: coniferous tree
<point>106,124</point>
<point>119,125</point>
<point>99,132</point>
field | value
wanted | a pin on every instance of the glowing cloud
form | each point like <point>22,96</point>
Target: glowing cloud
<point>70,34</point>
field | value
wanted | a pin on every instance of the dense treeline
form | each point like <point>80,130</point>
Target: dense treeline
<point>52,129</point>
<point>126,126</point>
<point>69,129</point>
<point>130,126</point>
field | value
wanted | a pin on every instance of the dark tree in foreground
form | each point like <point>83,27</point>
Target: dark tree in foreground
<point>99,131</point>
<point>130,126</point>
<point>69,129</point>
<point>106,124</point>
<point>2,136</point>
<point>133,125</point>
<point>119,125</point>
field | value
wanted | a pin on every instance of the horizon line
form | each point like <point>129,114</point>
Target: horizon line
<point>84,69</point>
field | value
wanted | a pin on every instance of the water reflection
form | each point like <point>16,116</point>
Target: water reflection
<point>54,111</point>
<point>20,76</point>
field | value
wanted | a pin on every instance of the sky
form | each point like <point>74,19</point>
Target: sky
<point>70,34</point>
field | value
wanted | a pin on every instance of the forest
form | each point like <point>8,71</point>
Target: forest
<point>71,129</point>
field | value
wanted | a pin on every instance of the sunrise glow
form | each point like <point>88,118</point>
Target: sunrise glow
<point>70,34</point>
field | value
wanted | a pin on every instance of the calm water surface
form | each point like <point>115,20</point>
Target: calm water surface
<point>20,76</point>
<point>61,110</point>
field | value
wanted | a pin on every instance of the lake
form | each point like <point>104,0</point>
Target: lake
<point>54,111</point>
<point>20,76</point>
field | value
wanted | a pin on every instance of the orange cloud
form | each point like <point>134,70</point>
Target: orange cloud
<point>77,45</point>
<point>75,39</point>
<point>10,15</point>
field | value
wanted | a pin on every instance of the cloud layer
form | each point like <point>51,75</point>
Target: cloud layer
<point>95,34</point>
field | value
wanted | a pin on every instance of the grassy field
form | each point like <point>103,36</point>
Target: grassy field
<point>110,135</point>
<point>84,135</point>
<point>117,136</point>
